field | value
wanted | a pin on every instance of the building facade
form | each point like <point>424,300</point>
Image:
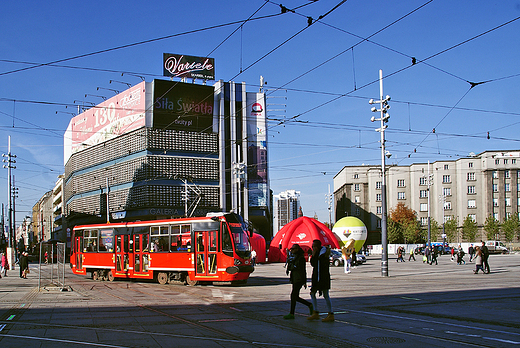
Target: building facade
<point>287,207</point>
<point>483,185</point>
<point>43,218</point>
<point>167,149</point>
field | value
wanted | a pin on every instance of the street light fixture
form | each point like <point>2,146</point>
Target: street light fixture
<point>107,89</point>
<point>383,109</point>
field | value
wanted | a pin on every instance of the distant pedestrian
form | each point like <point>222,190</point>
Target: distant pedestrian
<point>5,264</point>
<point>46,258</point>
<point>24,264</point>
<point>253,257</point>
<point>320,279</point>
<point>426,254</point>
<point>298,277</point>
<point>485,257</point>
<point>460,256</point>
<point>434,254</point>
<point>400,251</point>
<point>412,256</point>
<point>452,254</point>
<point>346,254</point>
<point>478,260</point>
<point>471,252</point>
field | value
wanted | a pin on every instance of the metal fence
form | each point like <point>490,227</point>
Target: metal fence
<point>51,270</point>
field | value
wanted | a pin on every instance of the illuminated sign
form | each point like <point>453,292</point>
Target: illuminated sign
<point>177,65</point>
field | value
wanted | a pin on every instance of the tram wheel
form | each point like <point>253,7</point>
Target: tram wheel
<point>162,278</point>
<point>95,275</point>
<point>110,276</point>
<point>190,282</point>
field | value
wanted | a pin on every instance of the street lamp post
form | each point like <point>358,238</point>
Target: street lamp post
<point>383,118</point>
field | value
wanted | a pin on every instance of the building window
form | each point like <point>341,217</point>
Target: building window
<point>423,182</point>
<point>518,187</point>
<point>495,216</point>
<point>446,191</point>
<point>423,207</point>
<point>447,206</point>
<point>400,183</point>
<point>357,199</point>
<point>497,161</point>
<point>378,197</point>
<point>471,190</point>
<point>470,165</point>
<point>505,161</point>
<point>507,174</point>
<point>378,185</point>
<point>471,176</point>
<point>472,203</point>
<point>507,187</point>
<point>379,210</point>
<point>356,187</point>
<point>473,217</point>
<point>508,201</point>
<point>447,218</point>
<point>518,174</point>
<point>495,174</point>
<point>513,161</point>
<point>495,188</point>
<point>446,167</point>
<point>356,176</point>
<point>495,202</point>
<point>518,201</point>
<point>423,194</point>
<point>401,195</point>
<point>378,223</point>
<point>357,211</point>
<point>424,221</point>
<point>446,179</point>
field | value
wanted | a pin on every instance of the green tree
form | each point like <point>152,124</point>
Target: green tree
<point>511,227</point>
<point>394,232</point>
<point>435,230</point>
<point>411,231</point>
<point>450,228</point>
<point>469,229</point>
<point>492,227</point>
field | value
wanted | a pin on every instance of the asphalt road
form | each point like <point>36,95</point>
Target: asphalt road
<point>443,305</point>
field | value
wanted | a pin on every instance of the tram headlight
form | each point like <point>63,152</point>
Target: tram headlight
<point>237,262</point>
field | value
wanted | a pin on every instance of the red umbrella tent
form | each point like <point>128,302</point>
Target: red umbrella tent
<point>258,245</point>
<point>301,231</point>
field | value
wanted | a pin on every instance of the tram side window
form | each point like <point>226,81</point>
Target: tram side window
<point>90,241</point>
<point>180,238</point>
<point>227,246</point>
<point>106,240</point>
<point>159,238</point>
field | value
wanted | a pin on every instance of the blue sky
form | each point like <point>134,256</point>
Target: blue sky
<point>324,74</point>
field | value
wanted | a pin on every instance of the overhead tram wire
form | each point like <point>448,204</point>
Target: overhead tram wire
<point>106,50</point>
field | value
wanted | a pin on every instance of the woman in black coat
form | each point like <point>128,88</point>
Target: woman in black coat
<point>296,266</point>
<point>24,264</point>
<point>320,279</point>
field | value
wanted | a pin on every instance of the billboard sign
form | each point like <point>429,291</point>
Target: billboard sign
<point>183,106</point>
<point>118,115</point>
<point>176,65</point>
<point>257,150</point>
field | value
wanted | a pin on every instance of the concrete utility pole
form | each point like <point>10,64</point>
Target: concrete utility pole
<point>8,159</point>
<point>384,119</point>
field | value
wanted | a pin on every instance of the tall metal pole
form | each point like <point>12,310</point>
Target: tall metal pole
<point>383,101</point>
<point>429,216</point>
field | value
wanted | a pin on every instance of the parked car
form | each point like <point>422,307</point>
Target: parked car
<point>419,250</point>
<point>336,258</point>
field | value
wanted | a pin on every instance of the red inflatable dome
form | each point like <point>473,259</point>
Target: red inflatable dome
<point>258,245</point>
<point>301,231</point>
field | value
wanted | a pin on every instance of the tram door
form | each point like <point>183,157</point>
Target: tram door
<point>206,253</point>
<point>122,257</point>
<point>140,255</point>
<point>78,245</point>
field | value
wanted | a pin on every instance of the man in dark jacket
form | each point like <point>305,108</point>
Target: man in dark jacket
<point>320,279</point>
<point>296,266</point>
<point>485,257</point>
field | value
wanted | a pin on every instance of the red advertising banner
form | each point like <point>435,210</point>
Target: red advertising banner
<point>115,116</point>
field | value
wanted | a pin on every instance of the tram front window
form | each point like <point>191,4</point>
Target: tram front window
<point>241,241</point>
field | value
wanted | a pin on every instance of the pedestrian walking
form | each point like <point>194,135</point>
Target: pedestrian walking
<point>320,279</point>
<point>4,264</point>
<point>24,265</point>
<point>412,256</point>
<point>434,254</point>
<point>460,256</point>
<point>485,256</point>
<point>346,254</point>
<point>478,260</point>
<point>452,254</point>
<point>400,251</point>
<point>471,252</point>
<point>298,276</point>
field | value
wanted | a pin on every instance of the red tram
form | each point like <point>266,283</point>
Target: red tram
<point>189,250</point>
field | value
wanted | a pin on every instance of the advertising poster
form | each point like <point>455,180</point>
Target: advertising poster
<point>118,115</point>
<point>183,106</point>
<point>257,150</point>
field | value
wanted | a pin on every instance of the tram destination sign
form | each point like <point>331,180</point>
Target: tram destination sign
<point>177,65</point>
